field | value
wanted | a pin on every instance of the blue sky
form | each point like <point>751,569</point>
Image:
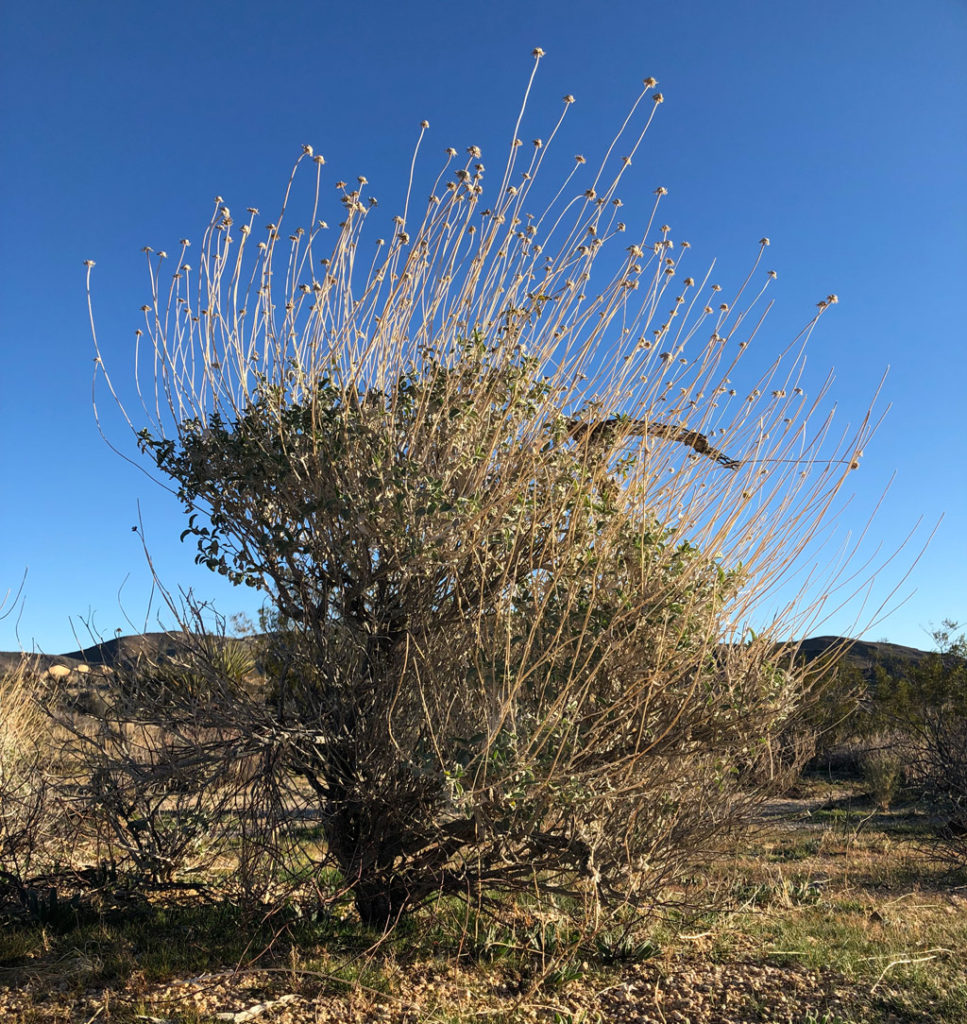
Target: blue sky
<point>837,129</point>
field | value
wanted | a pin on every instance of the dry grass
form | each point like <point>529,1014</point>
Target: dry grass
<point>830,915</point>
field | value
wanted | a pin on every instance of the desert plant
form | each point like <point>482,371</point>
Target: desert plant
<point>882,771</point>
<point>25,782</point>
<point>150,786</point>
<point>930,705</point>
<point>511,532</point>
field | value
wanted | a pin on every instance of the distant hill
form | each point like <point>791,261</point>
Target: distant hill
<point>865,655</point>
<point>115,653</point>
<point>127,650</point>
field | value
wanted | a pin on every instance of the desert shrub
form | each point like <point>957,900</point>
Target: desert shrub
<point>882,770</point>
<point>828,714</point>
<point>25,813</point>
<point>151,786</point>
<point>512,536</point>
<point>929,703</point>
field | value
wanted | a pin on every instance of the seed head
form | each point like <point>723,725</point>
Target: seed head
<point>537,52</point>
<point>658,98</point>
<point>649,83</point>
<point>88,264</point>
<point>307,150</point>
<point>661,191</point>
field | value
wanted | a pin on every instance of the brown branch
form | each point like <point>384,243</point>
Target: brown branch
<point>607,430</point>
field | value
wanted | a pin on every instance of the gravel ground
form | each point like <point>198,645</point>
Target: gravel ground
<point>683,991</point>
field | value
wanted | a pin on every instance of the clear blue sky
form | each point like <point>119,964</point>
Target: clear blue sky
<point>837,129</point>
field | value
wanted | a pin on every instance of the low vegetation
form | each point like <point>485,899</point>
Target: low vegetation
<point>163,896</point>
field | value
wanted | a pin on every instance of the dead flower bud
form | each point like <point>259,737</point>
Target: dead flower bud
<point>538,143</point>
<point>184,243</point>
<point>568,98</point>
<point>450,151</point>
<point>307,150</point>
<point>661,191</point>
<point>724,307</point>
<point>424,123</point>
<point>537,52</point>
<point>578,159</point>
<point>89,263</point>
<point>832,299</point>
<point>145,309</point>
<point>763,241</point>
<point>773,274</point>
<point>658,98</point>
<point>162,255</point>
<point>689,281</point>
<point>649,83</point>
<point>319,159</point>
<point>716,287</point>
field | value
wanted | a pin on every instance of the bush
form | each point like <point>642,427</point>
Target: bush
<point>930,703</point>
<point>25,783</point>
<point>511,571</point>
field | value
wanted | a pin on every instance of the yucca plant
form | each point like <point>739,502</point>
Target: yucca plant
<point>513,525</point>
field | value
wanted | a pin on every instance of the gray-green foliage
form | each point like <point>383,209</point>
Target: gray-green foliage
<point>495,667</point>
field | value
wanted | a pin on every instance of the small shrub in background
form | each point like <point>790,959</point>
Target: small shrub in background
<point>25,818</point>
<point>932,705</point>
<point>882,771</point>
